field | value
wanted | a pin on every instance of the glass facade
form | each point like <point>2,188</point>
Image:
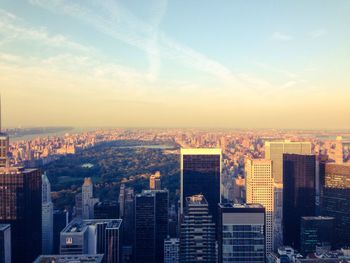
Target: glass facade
<point>201,175</point>
<point>335,200</point>
<point>299,194</point>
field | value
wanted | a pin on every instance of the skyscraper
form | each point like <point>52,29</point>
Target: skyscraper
<point>88,200</point>
<point>197,233</point>
<point>154,181</point>
<point>241,233</point>
<point>299,194</point>
<point>47,217</point>
<point>260,190</point>
<point>5,243</point>
<point>4,143</point>
<point>201,174</point>
<point>274,151</point>
<point>171,250</point>
<point>335,200</point>
<point>106,210</point>
<point>60,221</point>
<point>151,225</point>
<point>92,236</point>
<point>316,231</point>
<point>121,199</point>
<point>20,206</point>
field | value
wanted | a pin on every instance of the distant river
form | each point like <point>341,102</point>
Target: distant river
<point>43,135</point>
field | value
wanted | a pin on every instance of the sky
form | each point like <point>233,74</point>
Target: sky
<point>175,63</point>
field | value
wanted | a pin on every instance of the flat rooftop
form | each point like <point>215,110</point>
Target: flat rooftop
<point>69,258</point>
<point>229,205</point>
<point>78,226</point>
<point>200,151</point>
<point>317,218</point>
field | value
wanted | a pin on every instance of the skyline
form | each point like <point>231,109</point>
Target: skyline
<point>175,64</point>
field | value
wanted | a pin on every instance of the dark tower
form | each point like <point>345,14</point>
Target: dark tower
<point>299,194</point>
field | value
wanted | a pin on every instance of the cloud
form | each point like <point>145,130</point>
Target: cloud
<point>281,36</point>
<point>318,33</point>
<point>119,23</point>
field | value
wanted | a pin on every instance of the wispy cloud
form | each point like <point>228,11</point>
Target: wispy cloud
<point>123,25</point>
<point>318,33</point>
<point>281,36</point>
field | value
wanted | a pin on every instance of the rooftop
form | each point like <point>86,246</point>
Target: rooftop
<point>317,218</point>
<point>200,151</point>
<point>77,226</point>
<point>4,227</point>
<point>69,258</point>
<point>229,205</point>
<point>196,200</point>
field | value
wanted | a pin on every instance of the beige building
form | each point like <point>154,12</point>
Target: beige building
<point>260,190</point>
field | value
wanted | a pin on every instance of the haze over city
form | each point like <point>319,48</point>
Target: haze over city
<point>237,64</point>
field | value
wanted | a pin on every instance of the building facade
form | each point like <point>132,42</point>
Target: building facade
<point>151,225</point>
<point>197,232</point>
<point>316,231</point>
<point>20,206</point>
<point>5,243</point>
<point>260,190</point>
<point>241,233</point>
<point>47,217</point>
<point>171,250</point>
<point>299,194</point>
<point>335,200</point>
<point>201,174</point>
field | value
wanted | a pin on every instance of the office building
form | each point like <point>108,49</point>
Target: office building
<point>20,206</point>
<point>5,243</point>
<point>241,233</point>
<point>121,200</point>
<point>299,194</point>
<point>335,200</point>
<point>151,225</point>
<point>106,210</point>
<point>60,221</point>
<point>70,259</point>
<point>47,217</point>
<point>92,236</point>
<point>201,174</point>
<point>154,181</point>
<point>88,200</point>
<point>4,143</point>
<point>274,151</point>
<point>171,250</point>
<point>316,231</point>
<point>129,217</point>
<point>260,190</point>
<point>197,232</point>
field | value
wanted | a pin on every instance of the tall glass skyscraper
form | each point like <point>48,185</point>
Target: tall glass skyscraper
<point>335,199</point>
<point>299,194</point>
<point>241,233</point>
<point>151,225</point>
<point>201,174</point>
<point>20,206</point>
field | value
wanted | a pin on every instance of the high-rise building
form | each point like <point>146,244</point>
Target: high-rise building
<point>88,200</point>
<point>299,194</point>
<point>92,236</point>
<point>197,232</point>
<point>151,225</point>
<point>260,190</point>
<point>171,250</point>
<point>154,181</point>
<point>20,206</point>
<point>335,200</point>
<point>4,143</point>
<point>316,231</point>
<point>201,174</point>
<point>241,233</point>
<point>60,221</point>
<point>5,243</point>
<point>47,217</point>
<point>121,200</point>
<point>129,217</point>
<point>274,151</point>
<point>106,210</point>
